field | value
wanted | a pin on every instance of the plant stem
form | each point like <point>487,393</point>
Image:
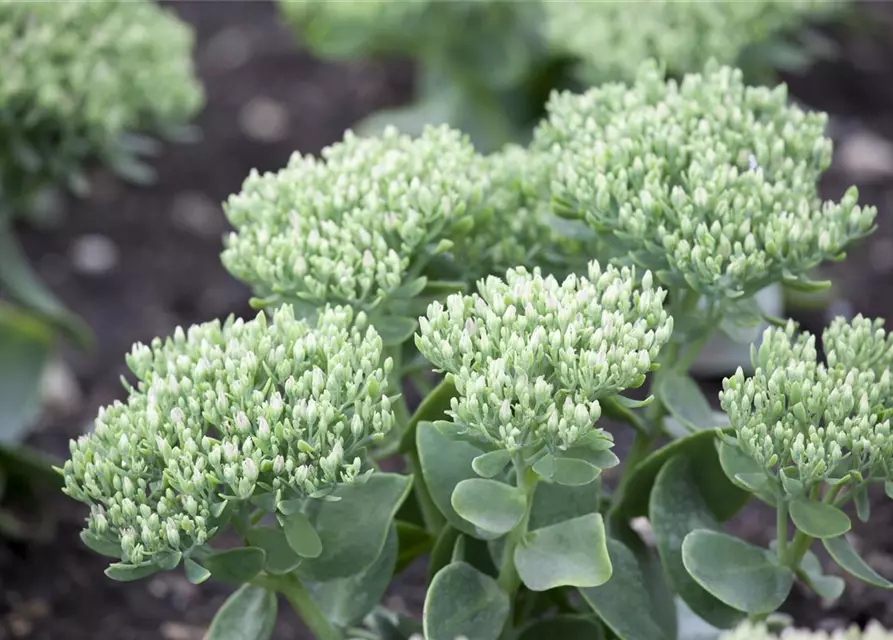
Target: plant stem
<point>781,527</point>
<point>431,515</point>
<point>799,546</point>
<point>290,586</point>
<point>508,579</point>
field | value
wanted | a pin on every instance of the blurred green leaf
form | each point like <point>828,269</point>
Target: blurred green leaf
<point>248,614</point>
<point>462,601</point>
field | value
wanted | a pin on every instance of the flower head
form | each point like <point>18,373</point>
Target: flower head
<point>758,631</point>
<point>347,227</point>
<point>817,421</point>
<point>684,35</point>
<point>226,412</point>
<point>532,356</point>
<point>711,183</point>
<point>78,75</point>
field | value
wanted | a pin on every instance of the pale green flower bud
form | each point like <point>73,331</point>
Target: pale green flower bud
<point>528,372</point>
<point>699,214</point>
<point>800,414</point>
<point>155,496</point>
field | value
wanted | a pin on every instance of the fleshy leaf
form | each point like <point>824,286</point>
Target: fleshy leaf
<point>677,508</point>
<point>573,472</point>
<point>248,614</point>
<point>462,601</point>
<point>99,545</point>
<point>846,557</point>
<point>445,463</point>
<point>490,505</point>
<point>722,497</point>
<point>236,565</point>
<point>195,573</point>
<point>825,586</point>
<point>394,330</point>
<point>491,464</point>
<point>572,553</point>
<point>684,400</point>
<point>818,519</point>
<point>432,408</point>
<point>345,601</point>
<point>554,503</point>
<point>623,602</point>
<point>348,548</point>
<point>123,572</point>
<point>280,557</point>
<point>301,535</point>
<point>735,572</point>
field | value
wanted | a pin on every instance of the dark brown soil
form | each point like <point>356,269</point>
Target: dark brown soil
<point>267,99</point>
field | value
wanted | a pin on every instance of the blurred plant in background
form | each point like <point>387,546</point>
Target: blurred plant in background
<point>487,67</point>
<point>80,81</point>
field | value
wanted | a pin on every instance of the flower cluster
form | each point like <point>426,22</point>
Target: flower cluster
<point>710,183</point>
<point>821,420</point>
<point>77,75</point>
<point>347,228</point>
<point>532,356</point>
<point>517,226</point>
<point>225,412</point>
<point>683,35</point>
<point>750,631</point>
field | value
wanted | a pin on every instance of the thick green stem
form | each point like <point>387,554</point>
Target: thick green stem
<point>291,587</point>
<point>431,515</point>
<point>781,531</point>
<point>508,579</point>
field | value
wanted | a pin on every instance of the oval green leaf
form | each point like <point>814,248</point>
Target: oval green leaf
<point>623,602</point>
<point>572,553</point>
<point>818,519</point>
<point>354,529</point>
<point>394,330</point>
<point>280,557</point>
<point>735,572</point>
<point>492,463</point>
<point>462,601</point>
<point>195,573</point>
<point>678,508</point>
<point>123,572</point>
<point>846,557</point>
<point>248,614</point>
<point>445,463</point>
<point>493,506</point>
<point>574,472</point>
<point>554,503</point>
<point>301,535</point>
<point>722,497</point>
<point>442,553</point>
<point>95,543</point>
<point>236,565</point>
<point>684,400</point>
<point>346,601</point>
<point>825,586</point>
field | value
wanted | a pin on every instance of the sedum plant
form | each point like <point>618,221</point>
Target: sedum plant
<point>82,81</point>
<point>759,632</point>
<point>254,452</point>
<point>487,66</point>
<point>756,36</point>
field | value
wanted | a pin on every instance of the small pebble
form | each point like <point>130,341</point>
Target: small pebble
<point>880,254</point>
<point>865,155</point>
<point>93,254</point>
<point>264,119</point>
<point>180,631</point>
<point>195,212</point>
<point>229,49</point>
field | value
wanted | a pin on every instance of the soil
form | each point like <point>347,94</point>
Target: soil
<point>137,261</point>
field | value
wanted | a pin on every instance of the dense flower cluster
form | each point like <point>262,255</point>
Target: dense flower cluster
<point>683,35</point>
<point>708,182</point>
<point>224,412</point>
<point>821,420</point>
<point>532,356</point>
<point>750,631</point>
<point>348,227</point>
<point>79,74</point>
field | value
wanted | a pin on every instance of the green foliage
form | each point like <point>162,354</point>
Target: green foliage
<point>384,262</point>
<point>487,66</point>
<point>78,78</point>
<point>684,35</point>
